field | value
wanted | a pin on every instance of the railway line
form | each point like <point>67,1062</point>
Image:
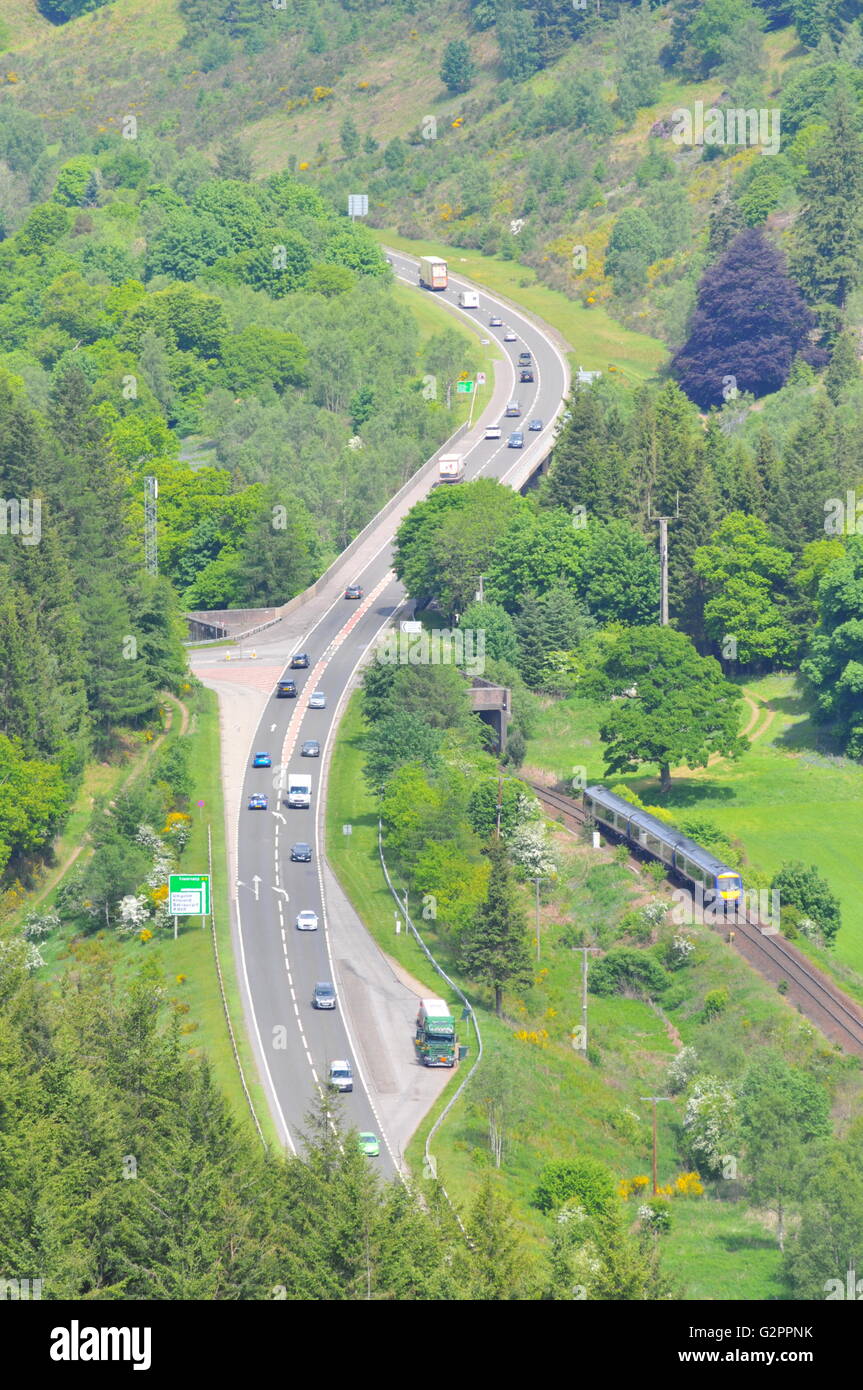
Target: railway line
<point>816,996</point>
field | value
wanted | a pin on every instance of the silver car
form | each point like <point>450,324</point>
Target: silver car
<point>318,700</point>
<point>324,996</point>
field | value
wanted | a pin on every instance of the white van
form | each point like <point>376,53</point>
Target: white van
<point>468,299</point>
<point>299,790</point>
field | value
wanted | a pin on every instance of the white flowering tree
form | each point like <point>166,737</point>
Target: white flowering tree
<point>39,924</point>
<point>530,850</point>
<point>134,912</point>
<point>710,1123</point>
<point>681,1070</point>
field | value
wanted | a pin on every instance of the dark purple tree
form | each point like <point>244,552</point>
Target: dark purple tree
<point>749,323</point>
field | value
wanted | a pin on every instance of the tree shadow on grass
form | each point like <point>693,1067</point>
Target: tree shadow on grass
<point>734,1242</point>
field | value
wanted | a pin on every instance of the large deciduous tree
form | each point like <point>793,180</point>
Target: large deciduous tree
<point>682,708</point>
<point>744,574</point>
<point>750,321</point>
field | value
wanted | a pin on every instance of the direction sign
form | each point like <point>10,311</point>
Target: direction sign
<point>464,386</point>
<point>358,204</point>
<point>189,895</point>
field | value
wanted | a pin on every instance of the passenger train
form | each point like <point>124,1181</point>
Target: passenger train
<point>696,866</point>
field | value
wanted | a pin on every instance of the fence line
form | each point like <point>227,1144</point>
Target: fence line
<point>222,990</point>
<point>431,1164</point>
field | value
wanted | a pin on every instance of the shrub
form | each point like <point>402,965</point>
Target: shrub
<point>715,1002</point>
<point>581,1180</point>
<point>624,969</point>
<point>806,890</point>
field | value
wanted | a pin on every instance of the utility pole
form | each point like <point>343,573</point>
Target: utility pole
<point>663,558</point>
<point>654,1099</point>
<point>151,492</point>
<point>499,804</point>
<point>537,881</point>
<point>584,950</point>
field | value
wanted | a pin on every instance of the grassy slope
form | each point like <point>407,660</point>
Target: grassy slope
<point>431,319</point>
<point>597,341</point>
<point>197,994</point>
<point>780,800</point>
<point>572,1106</point>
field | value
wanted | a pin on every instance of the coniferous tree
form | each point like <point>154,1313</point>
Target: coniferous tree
<point>494,947</point>
<point>578,473</point>
<point>844,368</point>
<point>810,477</point>
<point>829,231</point>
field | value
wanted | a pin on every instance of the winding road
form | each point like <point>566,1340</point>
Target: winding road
<point>279,965</point>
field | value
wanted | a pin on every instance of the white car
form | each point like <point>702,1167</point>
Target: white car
<point>318,700</point>
<point>510,337</point>
<point>307,920</point>
<point>493,432</point>
<point>341,1076</point>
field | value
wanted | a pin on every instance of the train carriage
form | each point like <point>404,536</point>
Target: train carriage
<point>696,866</point>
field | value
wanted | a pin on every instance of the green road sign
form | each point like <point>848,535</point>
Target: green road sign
<point>189,895</point>
<point>464,386</point>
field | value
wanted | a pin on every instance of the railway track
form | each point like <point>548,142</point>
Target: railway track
<point>838,1017</point>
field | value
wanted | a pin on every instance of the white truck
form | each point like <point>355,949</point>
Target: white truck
<point>468,299</point>
<point>450,468</point>
<point>433,273</point>
<point>299,791</point>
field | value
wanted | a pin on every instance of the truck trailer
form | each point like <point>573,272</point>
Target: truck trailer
<point>433,273</point>
<point>435,1040</point>
<point>450,468</point>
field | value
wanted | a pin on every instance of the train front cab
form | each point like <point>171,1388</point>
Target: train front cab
<point>729,887</point>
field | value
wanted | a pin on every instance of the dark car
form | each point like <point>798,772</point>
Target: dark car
<point>286,690</point>
<point>300,661</point>
<point>515,441</point>
<point>324,996</point>
<point>535,425</point>
<point>257,802</point>
<point>301,853</point>
<point>526,375</point>
<point>354,591</point>
<point>310,749</point>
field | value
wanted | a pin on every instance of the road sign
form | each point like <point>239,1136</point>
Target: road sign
<point>480,378</point>
<point>358,204</point>
<point>465,387</point>
<point>189,895</point>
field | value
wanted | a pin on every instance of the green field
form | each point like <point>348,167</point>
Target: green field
<point>785,799</point>
<point>596,340</point>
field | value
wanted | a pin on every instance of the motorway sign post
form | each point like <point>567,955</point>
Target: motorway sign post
<point>188,896</point>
